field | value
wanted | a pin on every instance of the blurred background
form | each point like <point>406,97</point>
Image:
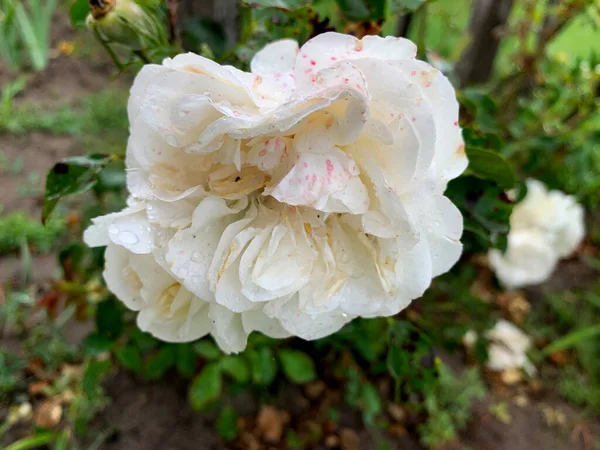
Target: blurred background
<point>75,372</point>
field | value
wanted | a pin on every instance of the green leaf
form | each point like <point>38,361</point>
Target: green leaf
<point>297,366</point>
<point>78,12</point>
<point>355,10</point>
<point>263,365</point>
<point>207,349</point>
<point>289,5</point>
<point>129,357</point>
<point>572,339</point>
<point>206,387</point>
<point>370,402</point>
<point>92,376</point>
<point>109,318</point>
<point>157,364</point>
<point>71,176</point>
<point>95,344</point>
<point>227,424</point>
<point>398,359</point>
<point>488,165</point>
<point>236,367</point>
<point>403,6</point>
<point>186,360</point>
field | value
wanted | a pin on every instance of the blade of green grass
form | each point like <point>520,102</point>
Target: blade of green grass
<point>571,339</point>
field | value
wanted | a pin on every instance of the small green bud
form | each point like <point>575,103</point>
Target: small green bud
<point>136,24</point>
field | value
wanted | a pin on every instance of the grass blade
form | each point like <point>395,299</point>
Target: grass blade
<point>571,339</point>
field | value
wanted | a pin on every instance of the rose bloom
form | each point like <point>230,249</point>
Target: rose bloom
<point>544,227</point>
<point>289,200</point>
<point>508,347</point>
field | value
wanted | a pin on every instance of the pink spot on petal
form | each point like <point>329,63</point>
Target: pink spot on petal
<point>329,165</point>
<point>304,56</point>
<point>413,73</point>
<point>313,62</point>
<point>414,119</point>
<point>306,177</point>
<point>456,123</point>
<point>305,165</point>
<point>333,58</point>
<point>263,152</point>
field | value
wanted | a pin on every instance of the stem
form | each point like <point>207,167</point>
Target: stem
<point>32,442</point>
<point>421,38</point>
<point>143,56</point>
<point>109,50</point>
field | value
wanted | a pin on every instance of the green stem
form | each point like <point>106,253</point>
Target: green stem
<point>32,442</point>
<point>421,37</point>
<point>142,55</point>
<point>109,50</point>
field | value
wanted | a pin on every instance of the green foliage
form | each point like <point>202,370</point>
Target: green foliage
<point>207,349</point>
<point>236,367</point>
<point>579,389</point>
<point>488,165</point>
<point>25,32</point>
<point>410,359</point>
<point>449,406</point>
<point>18,227</point>
<point>158,363</point>
<point>227,423</point>
<point>363,396</point>
<point>73,175</point>
<point>206,387</point>
<point>297,366</point>
<point>78,13</point>
<point>263,366</point>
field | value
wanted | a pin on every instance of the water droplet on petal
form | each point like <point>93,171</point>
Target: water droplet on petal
<point>113,229</point>
<point>171,140</point>
<point>127,237</point>
<point>196,256</point>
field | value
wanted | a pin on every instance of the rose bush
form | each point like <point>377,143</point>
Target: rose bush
<point>545,226</point>
<point>289,200</point>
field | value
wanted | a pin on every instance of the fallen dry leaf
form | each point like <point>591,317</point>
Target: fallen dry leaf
<point>396,412</point>
<point>349,440</point>
<point>332,441</point>
<point>48,414</point>
<point>315,389</point>
<point>269,423</point>
<point>397,430</point>
<point>511,376</point>
<point>37,388</point>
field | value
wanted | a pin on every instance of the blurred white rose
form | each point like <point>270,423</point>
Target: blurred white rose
<point>507,350</point>
<point>545,226</point>
<point>296,197</point>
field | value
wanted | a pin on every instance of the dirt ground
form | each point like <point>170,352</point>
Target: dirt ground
<point>144,415</point>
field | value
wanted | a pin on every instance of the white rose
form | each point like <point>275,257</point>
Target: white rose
<point>301,195</point>
<point>141,280</point>
<point>545,226</point>
<point>529,259</point>
<point>507,349</point>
